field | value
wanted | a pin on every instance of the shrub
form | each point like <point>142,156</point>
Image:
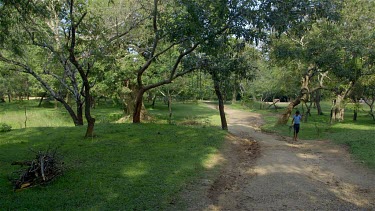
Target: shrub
<point>5,127</point>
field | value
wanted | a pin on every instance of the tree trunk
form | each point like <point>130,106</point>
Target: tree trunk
<point>302,97</point>
<point>138,106</point>
<point>224,124</point>
<point>308,111</point>
<point>153,101</point>
<point>90,125</point>
<point>83,74</point>
<point>370,103</point>
<point>355,108</point>
<point>67,98</point>
<point>170,107</point>
<point>41,99</point>
<point>129,97</point>
<point>92,102</point>
<point>134,104</point>
<point>317,100</point>
<point>355,115</point>
<point>283,119</point>
<point>75,118</point>
<point>234,94</point>
<point>90,120</point>
<point>338,108</point>
<point>79,113</point>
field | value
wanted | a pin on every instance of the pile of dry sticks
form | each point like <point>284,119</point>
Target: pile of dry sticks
<point>45,167</point>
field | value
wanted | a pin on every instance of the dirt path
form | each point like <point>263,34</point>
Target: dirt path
<point>273,173</point>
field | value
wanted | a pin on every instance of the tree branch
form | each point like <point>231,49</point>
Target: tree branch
<point>80,20</point>
<point>29,70</point>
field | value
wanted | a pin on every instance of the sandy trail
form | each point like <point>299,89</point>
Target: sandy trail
<point>281,175</point>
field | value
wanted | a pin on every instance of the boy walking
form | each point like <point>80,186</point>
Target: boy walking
<point>296,122</point>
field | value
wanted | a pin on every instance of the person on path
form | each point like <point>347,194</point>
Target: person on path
<point>296,123</point>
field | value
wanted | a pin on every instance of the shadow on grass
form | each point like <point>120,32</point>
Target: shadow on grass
<point>126,167</point>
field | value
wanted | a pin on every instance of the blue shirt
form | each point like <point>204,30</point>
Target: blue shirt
<point>297,119</point>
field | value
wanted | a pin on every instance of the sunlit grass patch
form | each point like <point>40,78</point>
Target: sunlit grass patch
<point>126,166</point>
<point>185,114</point>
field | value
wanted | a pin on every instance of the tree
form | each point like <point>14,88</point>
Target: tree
<point>50,41</point>
<point>78,37</point>
<point>178,27</point>
<point>338,50</point>
<point>367,88</point>
<point>191,25</point>
<point>355,34</point>
<point>228,60</point>
<point>310,59</point>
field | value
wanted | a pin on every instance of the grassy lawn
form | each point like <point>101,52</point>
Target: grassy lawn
<point>185,113</point>
<point>358,135</point>
<point>126,167</point>
<point>47,115</point>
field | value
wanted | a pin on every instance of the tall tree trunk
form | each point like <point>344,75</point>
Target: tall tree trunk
<point>219,95</point>
<point>83,74</point>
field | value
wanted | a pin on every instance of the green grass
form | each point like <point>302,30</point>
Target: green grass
<point>185,113</point>
<point>47,115</point>
<point>358,135</point>
<point>126,167</point>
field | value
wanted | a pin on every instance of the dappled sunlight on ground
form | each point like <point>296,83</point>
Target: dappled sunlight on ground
<point>213,160</point>
<point>136,170</point>
<point>266,170</point>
